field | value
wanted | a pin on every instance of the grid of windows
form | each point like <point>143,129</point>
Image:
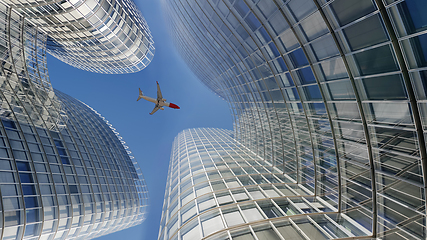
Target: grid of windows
<point>107,36</point>
<point>219,189</point>
<point>332,93</point>
<point>64,173</point>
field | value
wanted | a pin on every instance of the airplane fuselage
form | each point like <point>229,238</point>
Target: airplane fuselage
<point>153,100</point>
<point>160,103</point>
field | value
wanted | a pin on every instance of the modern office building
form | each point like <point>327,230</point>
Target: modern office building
<point>332,93</point>
<point>106,36</point>
<point>217,188</point>
<point>65,173</point>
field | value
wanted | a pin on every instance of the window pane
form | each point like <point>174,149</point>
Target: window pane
<point>347,11</point>
<point>278,23</point>
<point>390,112</point>
<point>333,69</point>
<point>416,50</point>
<point>386,87</point>
<point>246,236</point>
<point>32,230</point>
<point>207,204</point>
<point>252,214</point>
<point>377,60</point>
<point>233,218</point>
<point>324,47</point>
<point>289,232</point>
<point>241,7</point>
<point>311,231</point>
<point>289,40</point>
<point>9,190</point>
<point>341,90</point>
<point>3,154</point>
<point>306,76</point>
<point>301,8</point>
<point>266,7</point>
<point>23,166</point>
<point>20,154</point>
<point>312,93</point>
<point>7,177</point>
<point>298,58</point>
<point>49,213</point>
<point>267,234</point>
<point>365,33</point>
<point>191,232</point>
<point>212,224</point>
<point>413,14</point>
<point>31,202</point>
<point>12,218</point>
<point>314,26</point>
<point>26,177</point>
<point>29,189</point>
<point>188,212</point>
<point>11,203</point>
<point>270,210</point>
<point>33,215</point>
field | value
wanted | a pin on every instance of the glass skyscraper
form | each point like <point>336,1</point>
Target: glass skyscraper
<point>332,93</point>
<point>105,36</point>
<point>217,188</point>
<point>65,173</point>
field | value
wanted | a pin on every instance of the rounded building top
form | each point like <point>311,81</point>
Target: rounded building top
<point>103,36</point>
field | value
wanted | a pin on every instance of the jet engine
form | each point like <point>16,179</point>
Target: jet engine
<point>162,108</point>
<point>164,100</point>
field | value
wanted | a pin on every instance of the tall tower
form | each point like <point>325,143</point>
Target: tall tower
<point>331,92</point>
<point>69,179</point>
<point>64,171</point>
<point>106,36</point>
<point>217,188</point>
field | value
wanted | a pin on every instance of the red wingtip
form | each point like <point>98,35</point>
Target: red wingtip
<point>157,82</point>
<point>171,105</point>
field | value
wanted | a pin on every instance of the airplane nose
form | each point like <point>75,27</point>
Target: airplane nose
<point>171,105</point>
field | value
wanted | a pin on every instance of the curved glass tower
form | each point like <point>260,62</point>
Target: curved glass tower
<point>332,93</point>
<point>217,188</point>
<point>64,171</point>
<point>107,36</point>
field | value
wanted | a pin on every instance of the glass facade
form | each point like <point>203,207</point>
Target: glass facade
<point>218,189</point>
<point>332,93</point>
<point>106,36</point>
<point>64,171</point>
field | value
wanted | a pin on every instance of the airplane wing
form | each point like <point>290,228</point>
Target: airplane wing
<point>157,107</point>
<point>159,93</point>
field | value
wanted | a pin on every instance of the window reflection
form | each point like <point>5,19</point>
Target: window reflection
<point>377,60</point>
<point>366,33</point>
<point>350,10</point>
<point>385,87</point>
<point>412,12</point>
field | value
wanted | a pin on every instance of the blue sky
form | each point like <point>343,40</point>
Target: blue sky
<point>149,137</point>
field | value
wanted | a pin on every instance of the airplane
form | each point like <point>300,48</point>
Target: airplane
<point>160,101</point>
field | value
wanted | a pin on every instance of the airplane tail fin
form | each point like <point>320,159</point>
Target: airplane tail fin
<point>140,95</point>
